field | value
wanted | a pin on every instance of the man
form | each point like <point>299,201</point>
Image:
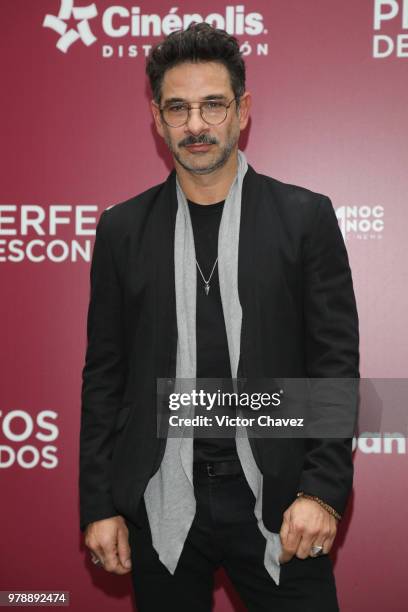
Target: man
<point>217,272</point>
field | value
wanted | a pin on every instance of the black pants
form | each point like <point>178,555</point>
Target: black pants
<point>225,533</point>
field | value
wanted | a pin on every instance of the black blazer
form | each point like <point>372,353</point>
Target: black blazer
<point>299,320</point>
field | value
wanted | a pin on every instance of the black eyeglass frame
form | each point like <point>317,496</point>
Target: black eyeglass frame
<point>189,107</point>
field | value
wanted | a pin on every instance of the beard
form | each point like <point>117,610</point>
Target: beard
<point>214,160</point>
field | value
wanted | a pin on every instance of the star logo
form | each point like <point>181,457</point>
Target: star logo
<point>78,28</point>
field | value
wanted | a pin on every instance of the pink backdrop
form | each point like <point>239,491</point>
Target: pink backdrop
<point>329,113</point>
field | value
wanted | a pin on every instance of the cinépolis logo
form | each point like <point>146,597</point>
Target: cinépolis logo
<point>57,233</point>
<point>74,24</point>
<point>391,29</point>
<point>28,441</point>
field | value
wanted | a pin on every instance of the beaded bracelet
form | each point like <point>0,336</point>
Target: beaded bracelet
<point>329,509</point>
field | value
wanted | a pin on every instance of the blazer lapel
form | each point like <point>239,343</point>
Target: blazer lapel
<point>247,274</point>
<point>165,299</point>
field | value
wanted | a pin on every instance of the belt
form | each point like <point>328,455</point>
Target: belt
<point>218,468</point>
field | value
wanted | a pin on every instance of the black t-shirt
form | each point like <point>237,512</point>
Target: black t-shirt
<point>212,346</point>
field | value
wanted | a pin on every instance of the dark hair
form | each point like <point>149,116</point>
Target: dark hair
<point>200,42</point>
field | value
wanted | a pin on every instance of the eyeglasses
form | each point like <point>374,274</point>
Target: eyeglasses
<point>212,112</point>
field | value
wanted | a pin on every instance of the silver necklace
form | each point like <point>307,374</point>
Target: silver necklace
<point>207,282</point>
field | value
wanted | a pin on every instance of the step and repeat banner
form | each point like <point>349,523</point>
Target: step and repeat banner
<point>329,81</point>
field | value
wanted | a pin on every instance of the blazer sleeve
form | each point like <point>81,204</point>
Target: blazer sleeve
<point>102,382</point>
<point>332,349</point>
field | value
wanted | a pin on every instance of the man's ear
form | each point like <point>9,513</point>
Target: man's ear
<point>157,117</point>
<point>244,108</point>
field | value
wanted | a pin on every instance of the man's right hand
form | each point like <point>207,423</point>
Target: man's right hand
<point>108,541</point>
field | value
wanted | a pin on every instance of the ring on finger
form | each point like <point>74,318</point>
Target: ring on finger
<point>97,561</point>
<point>316,551</point>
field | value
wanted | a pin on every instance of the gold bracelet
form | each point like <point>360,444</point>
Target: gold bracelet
<point>329,509</point>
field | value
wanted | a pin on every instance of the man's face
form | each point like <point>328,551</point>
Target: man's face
<point>192,83</point>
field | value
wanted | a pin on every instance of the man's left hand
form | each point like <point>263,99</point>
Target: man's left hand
<point>306,524</point>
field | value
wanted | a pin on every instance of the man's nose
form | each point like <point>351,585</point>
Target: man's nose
<point>195,123</point>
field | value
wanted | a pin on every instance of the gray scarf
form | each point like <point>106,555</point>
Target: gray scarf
<point>169,495</point>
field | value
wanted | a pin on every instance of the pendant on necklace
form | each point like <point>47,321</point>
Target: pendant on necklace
<point>207,288</point>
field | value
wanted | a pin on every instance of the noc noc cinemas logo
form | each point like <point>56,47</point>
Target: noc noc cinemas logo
<point>122,22</point>
<point>28,441</point>
<point>390,16</point>
<point>363,222</point>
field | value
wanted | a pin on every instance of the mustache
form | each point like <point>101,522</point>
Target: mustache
<point>191,140</point>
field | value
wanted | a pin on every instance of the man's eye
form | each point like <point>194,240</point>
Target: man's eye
<point>177,108</point>
<point>213,105</point>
